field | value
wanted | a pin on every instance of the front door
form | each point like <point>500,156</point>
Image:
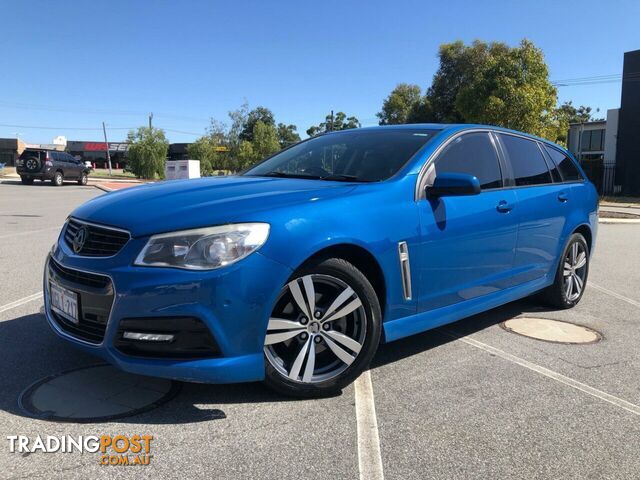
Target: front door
<point>467,242</point>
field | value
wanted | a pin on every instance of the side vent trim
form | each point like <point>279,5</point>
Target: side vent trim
<point>405,269</point>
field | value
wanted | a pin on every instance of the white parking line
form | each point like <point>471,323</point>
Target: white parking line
<point>618,402</point>
<point>614,294</point>
<point>369,457</point>
<point>29,232</point>
<point>22,301</point>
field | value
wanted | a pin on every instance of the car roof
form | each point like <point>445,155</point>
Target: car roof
<point>453,127</point>
<point>35,149</point>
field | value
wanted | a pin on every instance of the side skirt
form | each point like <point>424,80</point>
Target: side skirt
<point>423,321</point>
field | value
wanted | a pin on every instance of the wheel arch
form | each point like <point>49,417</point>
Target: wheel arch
<point>362,259</point>
<point>585,231</point>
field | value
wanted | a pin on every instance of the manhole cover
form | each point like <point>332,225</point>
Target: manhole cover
<point>94,394</point>
<point>551,330</point>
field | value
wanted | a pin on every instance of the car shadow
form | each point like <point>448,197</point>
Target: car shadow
<point>29,351</point>
<point>38,183</point>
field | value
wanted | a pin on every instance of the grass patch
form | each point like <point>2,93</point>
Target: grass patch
<point>117,173</point>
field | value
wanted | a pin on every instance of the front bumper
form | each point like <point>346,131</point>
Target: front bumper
<point>233,302</point>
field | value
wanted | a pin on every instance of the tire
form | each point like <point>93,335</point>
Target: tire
<point>57,179</point>
<point>354,336</point>
<point>83,179</point>
<point>32,164</point>
<point>26,180</point>
<point>571,276</point>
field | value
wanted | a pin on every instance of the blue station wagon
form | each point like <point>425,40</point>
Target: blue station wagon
<point>294,271</point>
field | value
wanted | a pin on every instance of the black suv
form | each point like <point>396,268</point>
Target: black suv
<point>50,165</point>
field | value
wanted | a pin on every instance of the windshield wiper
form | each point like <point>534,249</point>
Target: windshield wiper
<point>332,177</point>
<point>286,175</point>
<point>341,178</point>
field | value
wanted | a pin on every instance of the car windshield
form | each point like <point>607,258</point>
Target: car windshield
<point>353,155</point>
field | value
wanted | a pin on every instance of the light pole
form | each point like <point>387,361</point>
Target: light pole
<point>106,143</point>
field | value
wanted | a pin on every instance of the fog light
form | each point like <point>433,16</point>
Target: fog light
<point>147,337</point>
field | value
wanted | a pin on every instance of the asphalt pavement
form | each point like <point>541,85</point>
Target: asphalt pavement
<point>469,400</point>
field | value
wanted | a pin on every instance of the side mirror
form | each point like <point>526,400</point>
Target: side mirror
<point>453,184</point>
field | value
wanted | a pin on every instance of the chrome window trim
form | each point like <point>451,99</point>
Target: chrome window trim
<point>419,193</point>
<point>419,189</point>
<point>47,303</point>
<point>97,225</point>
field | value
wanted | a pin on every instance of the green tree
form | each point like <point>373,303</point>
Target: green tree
<point>483,83</point>
<point>572,114</point>
<point>339,122</point>
<point>287,135</point>
<point>459,64</point>
<point>510,88</point>
<point>567,114</point>
<point>204,149</point>
<point>405,104</point>
<point>207,149</point>
<point>258,114</point>
<point>147,152</point>
<point>265,142</point>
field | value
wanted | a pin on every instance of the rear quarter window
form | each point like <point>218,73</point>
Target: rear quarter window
<point>29,154</point>
<point>567,168</point>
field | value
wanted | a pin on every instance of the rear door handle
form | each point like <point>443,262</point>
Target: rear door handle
<point>563,197</point>
<point>504,206</point>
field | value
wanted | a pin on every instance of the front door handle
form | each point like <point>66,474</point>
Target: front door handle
<point>563,197</point>
<point>504,206</point>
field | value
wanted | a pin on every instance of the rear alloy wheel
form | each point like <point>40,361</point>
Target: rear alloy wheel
<point>571,276</point>
<point>26,180</point>
<point>57,179</point>
<point>323,331</point>
<point>83,179</point>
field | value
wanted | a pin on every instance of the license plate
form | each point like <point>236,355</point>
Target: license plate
<point>64,302</point>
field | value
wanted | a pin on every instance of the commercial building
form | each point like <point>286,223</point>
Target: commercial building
<point>628,140</point>
<point>609,150</point>
<point>96,152</point>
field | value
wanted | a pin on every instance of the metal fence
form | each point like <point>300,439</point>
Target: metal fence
<point>603,177</point>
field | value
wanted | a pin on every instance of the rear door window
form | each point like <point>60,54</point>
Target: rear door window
<point>568,169</point>
<point>528,164</point>
<point>474,154</point>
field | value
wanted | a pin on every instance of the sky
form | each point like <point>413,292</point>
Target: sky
<point>70,65</point>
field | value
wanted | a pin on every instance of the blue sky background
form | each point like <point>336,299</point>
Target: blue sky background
<point>75,64</point>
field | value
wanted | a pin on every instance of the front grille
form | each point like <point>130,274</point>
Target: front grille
<point>76,276</point>
<point>99,242</point>
<point>95,298</point>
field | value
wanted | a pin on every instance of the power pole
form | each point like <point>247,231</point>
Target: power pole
<point>150,119</point>
<point>331,128</point>
<point>104,130</point>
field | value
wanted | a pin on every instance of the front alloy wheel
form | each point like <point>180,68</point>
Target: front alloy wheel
<point>57,179</point>
<point>323,330</point>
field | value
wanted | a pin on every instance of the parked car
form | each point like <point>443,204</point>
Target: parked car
<point>294,271</point>
<point>51,165</point>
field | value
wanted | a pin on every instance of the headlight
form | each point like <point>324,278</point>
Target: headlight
<point>203,248</point>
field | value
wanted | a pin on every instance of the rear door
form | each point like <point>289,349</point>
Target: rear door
<point>467,242</point>
<point>71,168</point>
<point>542,206</point>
